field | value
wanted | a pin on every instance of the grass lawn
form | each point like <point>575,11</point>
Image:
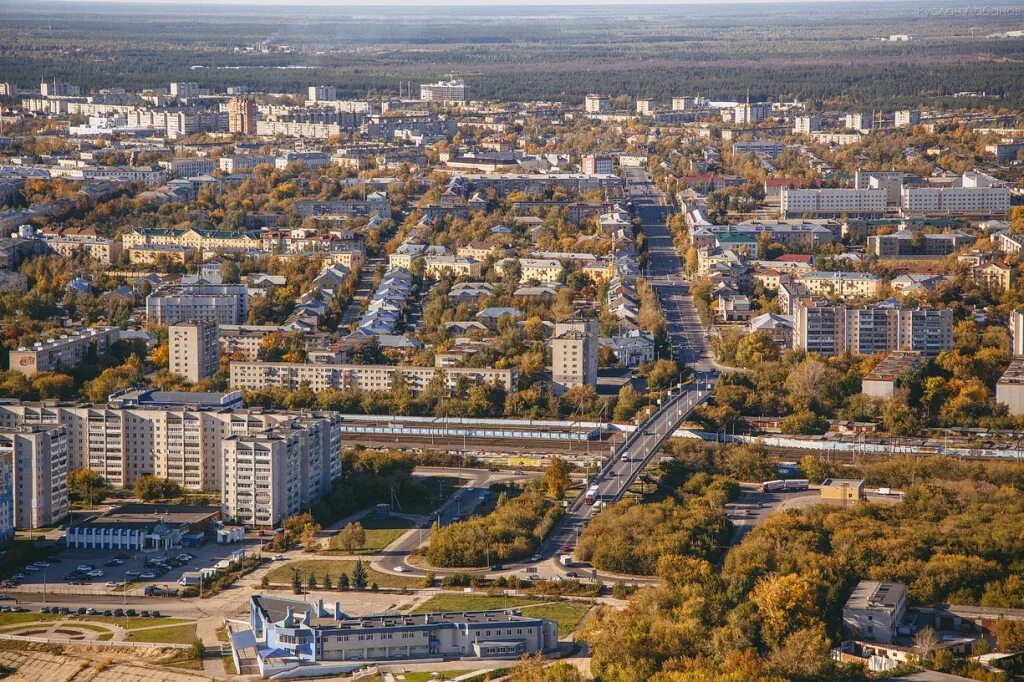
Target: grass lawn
<point>18,618</point>
<point>133,623</point>
<point>379,534</point>
<point>567,614</point>
<point>429,676</point>
<point>176,634</point>
<point>282,575</point>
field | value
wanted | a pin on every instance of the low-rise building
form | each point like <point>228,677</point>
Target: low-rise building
<point>64,352</point>
<point>842,492</point>
<point>843,285</point>
<point>875,610</point>
<point>891,373</point>
<point>140,527</point>
<point>292,375</point>
<point>1010,387</point>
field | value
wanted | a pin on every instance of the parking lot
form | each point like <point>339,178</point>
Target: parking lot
<point>117,571</point>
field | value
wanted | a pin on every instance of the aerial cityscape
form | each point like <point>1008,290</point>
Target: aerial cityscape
<point>541,343</point>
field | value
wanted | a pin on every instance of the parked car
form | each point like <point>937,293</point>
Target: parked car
<point>279,557</point>
<point>130,612</point>
<point>118,613</point>
<point>18,576</point>
<point>132,574</point>
<point>81,610</point>
<point>85,568</point>
<point>399,569</point>
<point>44,609</point>
<point>111,583</point>
<point>31,569</point>
<point>95,574</point>
<point>108,613</point>
<point>155,614</point>
<point>91,612</point>
<point>144,613</point>
<point>148,575</point>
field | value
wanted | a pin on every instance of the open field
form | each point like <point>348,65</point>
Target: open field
<point>175,634</point>
<point>379,534</point>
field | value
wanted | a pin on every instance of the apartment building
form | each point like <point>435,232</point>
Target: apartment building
<point>320,376</point>
<point>904,118</point>
<point>218,303</point>
<point>748,113</point>
<point>980,201</point>
<point>858,121</point>
<point>63,352</point>
<point>241,163</point>
<point>194,350</point>
<point>40,467</point>
<point>204,240</point>
<point>543,270</point>
<point>805,125</point>
<point>447,92</point>
<point>281,470</point>
<point>832,203</point>
<point>172,435</point>
<point>996,275</point>
<point>574,350</point>
<point>819,326</point>
<point>321,93</point>
<point>597,104</point>
<point>1017,332</point>
<point>6,497</point>
<point>189,166</point>
<point>597,164</point>
<point>449,266</point>
<point>242,114</point>
<point>1010,387</point>
<point>842,285</point>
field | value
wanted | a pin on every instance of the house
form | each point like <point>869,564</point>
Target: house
<point>778,327</point>
<point>491,317</point>
<point>842,492</point>
<point>875,610</point>
<point>996,275</point>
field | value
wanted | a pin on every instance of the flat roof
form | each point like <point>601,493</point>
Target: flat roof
<point>876,594</point>
<point>138,515</point>
<point>1014,374</point>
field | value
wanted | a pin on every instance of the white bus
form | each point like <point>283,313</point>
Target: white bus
<point>592,494</point>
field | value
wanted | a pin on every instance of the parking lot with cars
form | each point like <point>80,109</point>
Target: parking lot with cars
<point>93,571</point>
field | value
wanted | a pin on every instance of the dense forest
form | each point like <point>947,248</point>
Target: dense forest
<point>529,53</point>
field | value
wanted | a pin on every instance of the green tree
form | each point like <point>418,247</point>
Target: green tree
<point>343,581</point>
<point>296,581</point>
<point>151,488</point>
<point>88,486</point>
<point>351,537</point>
<point>359,575</point>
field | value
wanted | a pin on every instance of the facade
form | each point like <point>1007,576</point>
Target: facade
<point>204,240</point>
<point>40,462</point>
<point>308,631</point>
<point>597,104</point>
<point>875,610</point>
<point>956,200</point>
<point>189,166</point>
<point>842,285</point>
<point>751,113</point>
<point>218,303</point>
<point>574,354</point>
<point>291,375</point>
<point>447,266</point>
<point>818,326</point>
<point>144,527</point>
<point>805,125</point>
<point>65,352</point>
<point>1010,387</point>
<point>242,115</point>
<point>6,497</point>
<point>1017,332</point>
<point>905,118</point>
<point>831,328</point>
<point>842,492</point>
<point>446,92</point>
<point>280,471</point>
<point>194,350</point>
<point>597,164</point>
<point>832,203</point>
<point>322,93</point>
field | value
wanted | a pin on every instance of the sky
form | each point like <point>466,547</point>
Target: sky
<point>476,3</point>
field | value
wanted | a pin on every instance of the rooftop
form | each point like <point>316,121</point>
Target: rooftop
<point>875,594</point>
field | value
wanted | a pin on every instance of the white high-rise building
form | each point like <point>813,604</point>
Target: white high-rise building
<point>447,92</point>
<point>907,117</point>
<point>858,121</point>
<point>832,202</point>
<point>40,465</point>
<point>748,113</point>
<point>322,93</point>
<point>806,124</point>
<point>185,90</point>
<point>597,104</point>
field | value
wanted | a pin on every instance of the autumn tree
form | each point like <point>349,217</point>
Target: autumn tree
<point>556,477</point>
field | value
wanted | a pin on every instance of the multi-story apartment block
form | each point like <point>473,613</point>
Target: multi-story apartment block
<point>832,203</point>
<point>858,121</point>
<point>204,240</point>
<point>447,92</point>
<point>818,326</point>
<point>100,249</point>
<point>597,104</point>
<point>748,113</point>
<point>242,114</point>
<point>40,461</point>
<point>183,123</point>
<point>805,125</point>
<point>830,328</point>
<point>185,90</point>
<point>218,303</point>
<point>241,163</point>
<point>281,470</point>
<point>842,285</point>
<point>319,376</point>
<point>65,352</point>
<point>6,497</point>
<point>194,350</point>
<point>189,166</point>
<point>180,438</point>
<point>574,354</point>
<point>449,266</point>
<point>543,270</point>
<point>956,200</point>
<point>321,93</point>
<point>645,106</point>
<point>904,118</point>
<point>597,164</point>
<point>55,89</point>
<point>1017,332</point>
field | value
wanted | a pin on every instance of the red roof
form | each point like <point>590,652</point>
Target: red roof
<point>795,258</point>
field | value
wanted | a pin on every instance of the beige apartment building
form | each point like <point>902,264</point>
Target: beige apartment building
<point>40,461</point>
<point>843,285</point>
<point>63,352</point>
<point>450,266</point>
<point>574,354</point>
<point>194,350</point>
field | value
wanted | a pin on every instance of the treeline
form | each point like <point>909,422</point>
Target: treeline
<point>632,538</point>
<point>512,531</point>
<point>369,477</point>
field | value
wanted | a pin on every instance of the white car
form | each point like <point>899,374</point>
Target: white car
<point>399,569</point>
<point>533,576</point>
<point>111,583</point>
<point>279,557</point>
<point>95,574</point>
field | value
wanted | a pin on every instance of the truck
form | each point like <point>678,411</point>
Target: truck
<point>565,560</point>
<point>159,591</point>
<point>796,484</point>
<point>769,486</point>
<point>591,495</point>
